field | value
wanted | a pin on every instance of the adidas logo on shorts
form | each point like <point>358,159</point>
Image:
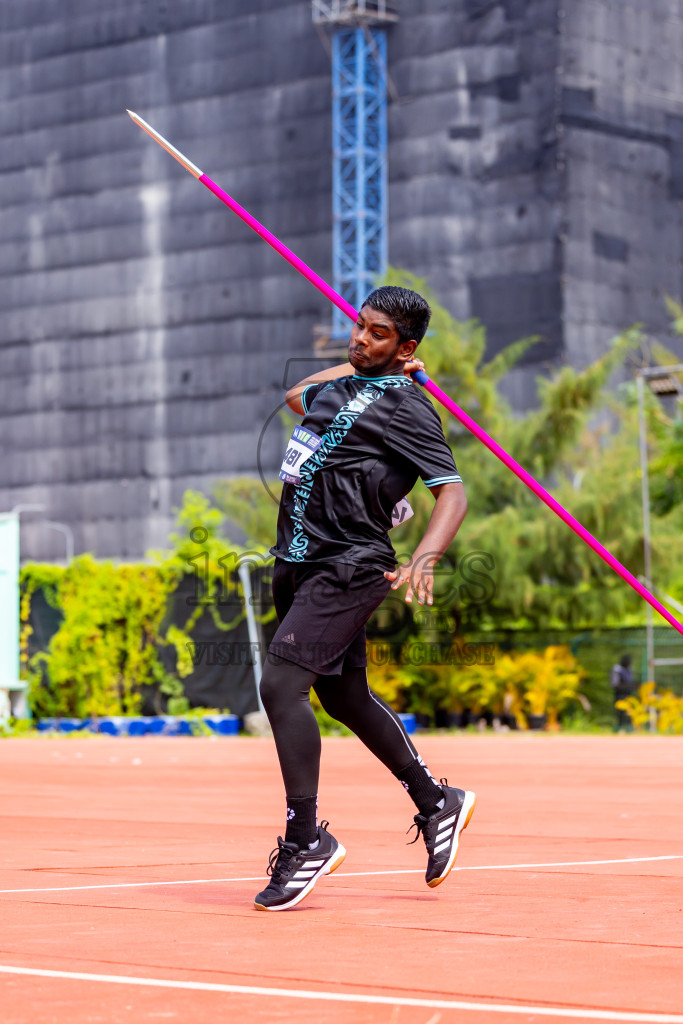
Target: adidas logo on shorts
<point>289,639</point>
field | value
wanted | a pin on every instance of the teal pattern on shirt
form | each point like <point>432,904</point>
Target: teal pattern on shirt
<point>333,436</point>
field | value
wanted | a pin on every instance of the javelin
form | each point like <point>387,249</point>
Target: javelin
<point>420,376</point>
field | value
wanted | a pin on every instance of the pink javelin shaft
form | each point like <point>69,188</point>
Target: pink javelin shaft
<point>545,496</point>
<point>290,256</point>
<point>467,421</point>
<point>420,376</point>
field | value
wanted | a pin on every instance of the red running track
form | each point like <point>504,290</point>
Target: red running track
<point>129,868</point>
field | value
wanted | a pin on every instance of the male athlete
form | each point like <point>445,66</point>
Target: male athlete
<point>368,432</point>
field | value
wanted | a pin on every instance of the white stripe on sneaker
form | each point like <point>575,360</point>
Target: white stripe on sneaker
<point>442,846</point>
<point>306,884</point>
<point>466,809</point>
<point>446,823</point>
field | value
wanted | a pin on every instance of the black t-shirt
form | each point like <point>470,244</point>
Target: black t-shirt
<point>378,435</point>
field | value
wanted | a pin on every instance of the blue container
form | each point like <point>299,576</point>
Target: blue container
<point>156,726</point>
<point>137,726</point>
<point>409,723</point>
<point>63,724</point>
<point>223,725</point>
<point>177,726</point>
<point>72,724</point>
<point>120,725</point>
<point>168,725</point>
<point>112,726</point>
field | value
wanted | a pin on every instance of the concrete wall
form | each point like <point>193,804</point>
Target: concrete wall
<point>622,121</point>
<point>144,327</point>
<point>474,181</point>
<point>145,330</point>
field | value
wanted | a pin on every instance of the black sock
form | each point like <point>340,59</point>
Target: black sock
<point>423,790</point>
<point>302,820</point>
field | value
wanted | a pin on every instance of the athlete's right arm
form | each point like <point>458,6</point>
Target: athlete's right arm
<point>293,396</point>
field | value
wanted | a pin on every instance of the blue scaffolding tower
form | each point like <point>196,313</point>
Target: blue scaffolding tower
<point>359,147</point>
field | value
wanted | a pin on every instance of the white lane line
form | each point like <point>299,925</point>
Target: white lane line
<point>353,874</point>
<point>510,867</point>
<point>582,1013</point>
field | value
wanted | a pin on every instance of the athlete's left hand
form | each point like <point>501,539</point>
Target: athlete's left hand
<point>420,580</point>
<point>412,366</point>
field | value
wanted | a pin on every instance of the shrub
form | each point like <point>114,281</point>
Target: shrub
<point>104,650</point>
<point>106,655</point>
<point>519,684</point>
<point>648,705</point>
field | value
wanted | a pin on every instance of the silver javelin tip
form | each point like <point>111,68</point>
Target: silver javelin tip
<point>165,144</point>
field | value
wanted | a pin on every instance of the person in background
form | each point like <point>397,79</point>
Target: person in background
<point>623,686</point>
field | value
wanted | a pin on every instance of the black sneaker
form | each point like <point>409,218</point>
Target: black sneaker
<point>442,830</point>
<point>294,872</point>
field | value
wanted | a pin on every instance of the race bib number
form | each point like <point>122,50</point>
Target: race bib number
<point>401,513</point>
<point>301,444</point>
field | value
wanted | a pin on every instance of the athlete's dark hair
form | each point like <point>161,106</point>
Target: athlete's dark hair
<point>409,311</point>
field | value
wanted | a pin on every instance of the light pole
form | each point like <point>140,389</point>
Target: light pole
<point>661,382</point>
<point>18,509</point>
<point>245,579</point>
<point>645,501</point>
<point>69,537</point>
<point>10,559</point>
<point>52,525</point>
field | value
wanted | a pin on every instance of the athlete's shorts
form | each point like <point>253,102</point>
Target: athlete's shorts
<point>322,609</point>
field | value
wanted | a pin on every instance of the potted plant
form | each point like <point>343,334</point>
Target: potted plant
<point>488,690</point>
<point>554,678</point>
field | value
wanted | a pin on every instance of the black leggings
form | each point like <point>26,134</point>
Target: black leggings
<point>285,692</point>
